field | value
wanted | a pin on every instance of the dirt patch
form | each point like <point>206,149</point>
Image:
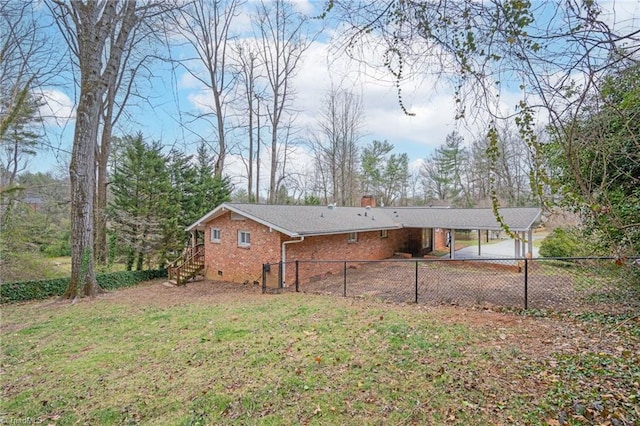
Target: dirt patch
<point>491,286</point>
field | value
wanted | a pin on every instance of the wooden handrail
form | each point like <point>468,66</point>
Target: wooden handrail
<point>191,256</point>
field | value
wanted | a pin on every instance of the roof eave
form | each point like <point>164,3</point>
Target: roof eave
<point>535,219</point>
<point>199,224</point>
<point>347,231</point>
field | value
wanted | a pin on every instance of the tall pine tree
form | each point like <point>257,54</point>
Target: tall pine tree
<point>143,205</point>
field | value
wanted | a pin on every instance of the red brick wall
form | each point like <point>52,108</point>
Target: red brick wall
<point>370,246</point>
<point>440,239</point>
<point>226,261</point>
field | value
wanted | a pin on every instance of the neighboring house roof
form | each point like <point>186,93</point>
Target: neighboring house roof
<point>294,220</point>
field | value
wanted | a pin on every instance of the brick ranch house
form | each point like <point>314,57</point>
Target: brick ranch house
<point>240,238</point>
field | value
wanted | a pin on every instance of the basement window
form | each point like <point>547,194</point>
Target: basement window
<point>215,235</point>
<point>353,237</point>
<point>244,239</point>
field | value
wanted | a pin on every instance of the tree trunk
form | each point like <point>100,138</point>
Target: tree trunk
<point>89,26</point>
<point>82,175</point>
<point>274,166</point>
<point>100,243</point>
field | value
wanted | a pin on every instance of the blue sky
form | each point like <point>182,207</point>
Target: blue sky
<point>175,95</point>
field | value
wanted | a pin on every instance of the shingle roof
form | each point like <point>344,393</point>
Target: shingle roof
<point>308,220</point>
<point>295,220</point>
<point>518,219</point>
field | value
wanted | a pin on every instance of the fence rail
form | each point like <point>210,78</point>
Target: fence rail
<point>564,284</point>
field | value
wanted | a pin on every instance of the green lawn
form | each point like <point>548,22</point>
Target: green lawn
<point>248,358</point>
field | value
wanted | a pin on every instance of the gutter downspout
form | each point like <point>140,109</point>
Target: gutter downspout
<point>284,258</point>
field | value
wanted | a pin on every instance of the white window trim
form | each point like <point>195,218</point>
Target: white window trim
<point>242,243</point>
<point>384,233</point>
<point>212,238</point>
<point>352,237</point>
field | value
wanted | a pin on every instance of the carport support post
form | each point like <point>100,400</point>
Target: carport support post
<point>479,240</point>
<point>526,283</point>
<point>452,244</point>
<point>530,242</point>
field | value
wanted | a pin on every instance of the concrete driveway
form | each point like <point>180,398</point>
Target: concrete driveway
<point>504,248</point>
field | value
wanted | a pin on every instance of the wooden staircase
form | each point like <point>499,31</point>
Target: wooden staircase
<point>187,266</point>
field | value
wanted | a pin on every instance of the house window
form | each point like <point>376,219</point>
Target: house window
<point>215,235</point>
<point>384,233</point>
<point>353,237</point>
<point>244,239</point>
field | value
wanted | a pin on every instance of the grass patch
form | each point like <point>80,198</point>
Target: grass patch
<point>285,359</point>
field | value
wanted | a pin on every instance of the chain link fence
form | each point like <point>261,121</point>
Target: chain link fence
<point>560,284</point>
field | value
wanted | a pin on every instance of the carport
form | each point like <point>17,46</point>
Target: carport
<point>520,221</point>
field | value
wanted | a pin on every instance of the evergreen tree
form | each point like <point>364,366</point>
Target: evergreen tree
<point>385,175</point>
<point>443,172</point>
<point>143,207</point>
<point>210,190</point>
<point>182,175</point>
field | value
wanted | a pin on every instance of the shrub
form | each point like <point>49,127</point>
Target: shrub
<point>57,248</point>
<point>32,290</point>
<point>561,243</point>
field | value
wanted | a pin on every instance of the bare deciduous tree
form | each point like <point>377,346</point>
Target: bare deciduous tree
<point>97,32</point>
<point>27,62</point>
<point>137,54</point>
<point>283,39</point>
<point>249,73</point>
<point>205,26</point>
<point>336,147</point>
<point>556,52</point>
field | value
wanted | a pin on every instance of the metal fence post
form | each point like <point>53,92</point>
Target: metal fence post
<point>297,277</point>
<point>264,277</point>
<point>344,292</point>
<point>416,281</point>
<point>526,283</point>
<point>281,278</point>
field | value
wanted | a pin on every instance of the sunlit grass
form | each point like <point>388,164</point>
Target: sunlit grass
<point>272,359</point>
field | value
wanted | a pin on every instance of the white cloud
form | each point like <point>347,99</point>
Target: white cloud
<point>384,119</point>
<point>188,81</point>
<point>621,15</point>
<point>58,108</point>
<point>202,100</point>
<point>304,6</point>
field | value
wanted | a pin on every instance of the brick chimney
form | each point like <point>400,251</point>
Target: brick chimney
<point>368,201</point>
